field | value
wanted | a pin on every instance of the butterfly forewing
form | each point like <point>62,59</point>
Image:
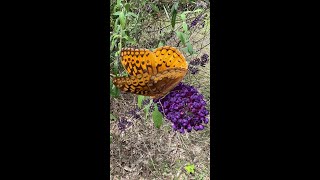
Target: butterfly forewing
<point>137,61</point>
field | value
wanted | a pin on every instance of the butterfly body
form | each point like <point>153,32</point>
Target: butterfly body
<point>151,73</point>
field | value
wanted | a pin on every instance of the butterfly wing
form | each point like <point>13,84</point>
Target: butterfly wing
<point>168,79</point>
<point>138,61</point>
<point>155,86</point>
<point>167,57</point>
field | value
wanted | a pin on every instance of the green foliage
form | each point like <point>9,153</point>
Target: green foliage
<point>174,14</point>
<point>157,117</point>
<point>189,168</point>
<point>114,91</point>
<point>140,99</point>
<point>147,109</point>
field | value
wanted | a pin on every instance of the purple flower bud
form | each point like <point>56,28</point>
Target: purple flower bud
<point>206,120</point>
<point>196,128</point>
<point>174,127</point>
<point>182,130</point>
<point>189,128</point>
<point>165,104</point>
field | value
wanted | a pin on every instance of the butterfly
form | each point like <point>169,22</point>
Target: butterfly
<point>151,73</point>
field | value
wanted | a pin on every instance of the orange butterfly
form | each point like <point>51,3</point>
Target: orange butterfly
<point>151,73</point>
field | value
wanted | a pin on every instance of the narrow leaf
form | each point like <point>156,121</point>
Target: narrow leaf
<point>127,6</point>
<point>181,37</point>
<point>122,19</point>
<point>173,19</point>
<point>157,117</point>
<point>116,13</point>
<point>190,49</point>
<point>140,99</point>
<point>183,17</point>
<point>118,2</point>
<point>185,26</point>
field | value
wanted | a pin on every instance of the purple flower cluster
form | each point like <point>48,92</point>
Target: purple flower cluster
<point>202,62</point>
<point>135,113</point>
<point>196,62</point>
<point>193,70</point>
<point>123,124</point>
<point>197,20</point>
<point>185,107</point>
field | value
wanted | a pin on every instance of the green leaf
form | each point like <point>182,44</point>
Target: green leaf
<point>122,19</point>
<point>127,6</point>
<point>189,168</point>
<point>112,117</point>
<point>181,37</point>
<point>112,45</point>
<point>116,13</point>
<point>157,117</point>
<point>174,14</point>
<point>190,49</point>
<point>116,66</point>
<point>111,84</point>
<point>183,17</point>
<point>130,40</point>
<point>160,44</point>
<point>146,110</point>
<point>140,99</point>
<point>185,50</point>
<point>118,2</point>
<point>173,19</point>
<point>185,26</point>
<point>114,91</point>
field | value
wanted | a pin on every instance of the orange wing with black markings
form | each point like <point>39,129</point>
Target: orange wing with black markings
<point>151,73</point>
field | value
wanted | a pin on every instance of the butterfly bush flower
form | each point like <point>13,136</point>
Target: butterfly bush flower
<point>204,60</point>
<point>193,70</point>
<point>123,124</point>
<point>135,113</point>
<point>185,107</point>
<point>197,20</point>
